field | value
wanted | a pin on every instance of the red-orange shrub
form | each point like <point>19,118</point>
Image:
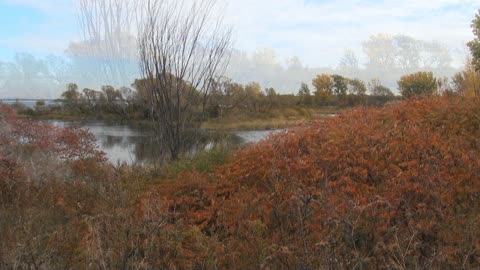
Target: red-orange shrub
<point>395,187</point>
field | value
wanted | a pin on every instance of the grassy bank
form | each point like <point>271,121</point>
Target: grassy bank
<point>275,118</point>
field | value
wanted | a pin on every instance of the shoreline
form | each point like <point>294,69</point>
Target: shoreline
<point>220,125</point>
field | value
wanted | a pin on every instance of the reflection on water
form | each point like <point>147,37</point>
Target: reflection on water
<point>137,144</point>
<point>253,136</point>
<point>30,103</point>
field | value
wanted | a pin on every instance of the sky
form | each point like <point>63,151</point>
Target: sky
<point>317,31</point>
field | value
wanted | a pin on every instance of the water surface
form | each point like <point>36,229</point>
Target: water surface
<point>138,144</point>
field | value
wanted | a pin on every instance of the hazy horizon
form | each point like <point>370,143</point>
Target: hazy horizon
<point>277,43</point>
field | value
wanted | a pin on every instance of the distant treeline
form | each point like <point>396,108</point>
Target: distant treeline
<point>385,56</point>
<point>228,97</point>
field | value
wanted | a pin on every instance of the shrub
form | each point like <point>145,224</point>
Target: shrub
<point>418,84</point>
<point>395,187</point>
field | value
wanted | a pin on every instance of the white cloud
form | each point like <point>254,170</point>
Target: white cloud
<point>42,43</point>
<point>319,31</point>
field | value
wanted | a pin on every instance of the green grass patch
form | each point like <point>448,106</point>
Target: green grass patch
<point>204,161</point>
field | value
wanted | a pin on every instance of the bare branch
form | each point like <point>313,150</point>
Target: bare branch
<point>182,49</point>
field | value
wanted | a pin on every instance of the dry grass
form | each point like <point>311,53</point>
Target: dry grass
<point>275,119</point>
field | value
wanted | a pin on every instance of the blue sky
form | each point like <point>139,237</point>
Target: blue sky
<point>318,31</point>
<point>40,27</point>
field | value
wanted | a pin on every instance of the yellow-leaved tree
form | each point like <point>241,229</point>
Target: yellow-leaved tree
<point>323,84</point>
<point>467,82</point>
<point>421,83</point>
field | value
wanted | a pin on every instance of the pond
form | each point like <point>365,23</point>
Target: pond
<point>30,103</point>
<point>137,144</point>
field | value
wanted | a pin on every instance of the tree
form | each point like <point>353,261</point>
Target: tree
<point>356,87</point>
<point>382,91</point>
<point>467,82</point>
<point>417,84</point>
<point>254,95</point>
<point>71,97</point>
<point>39,104</point>
<point>435,55</point>
<point>340,86</point>
<point>390,57</point>
<point>324,85</point>
<point>349,64</point>
<point>357,91</point>
<point>381,52</point>
<point>182,51</point>
<point>93,99</point>
<point>408,52</point>
<point>377,89</point>
<point>226,96</point>
<point>294,64</point>
<point>114,101</point>
<point>304,94</point>
<point>445,86</point>
<point>272,96</point>
<point>474,45</point>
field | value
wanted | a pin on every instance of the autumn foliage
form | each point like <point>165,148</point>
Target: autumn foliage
<point>390,188</point>
<point>417,84</point>
<point>396,187</point>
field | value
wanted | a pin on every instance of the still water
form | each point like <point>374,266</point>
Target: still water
<point>30,103</point>
<point>137,144</point>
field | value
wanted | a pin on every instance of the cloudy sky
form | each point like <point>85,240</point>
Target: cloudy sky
<point>317,31</point>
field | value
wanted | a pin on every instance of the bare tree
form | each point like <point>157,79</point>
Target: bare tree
<point>183,50</point>
<point>349,64</point>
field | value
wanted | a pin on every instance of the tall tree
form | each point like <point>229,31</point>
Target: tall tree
<point>381,52</point>
<point>304,94</point>
<point>467,81</point>
<point>254,95</point>
<point>408,52</point>
<point>376,88</point>
<point>182,48</point>
<point>340,85</point>
<point>324,85</point>
<point>416,84</point>
<point>357,87</point>
<point>349,64</point>
<point>474,45</point>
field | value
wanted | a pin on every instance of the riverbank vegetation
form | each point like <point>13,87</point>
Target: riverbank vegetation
<point>395,186</point>
<point>227,106</point>
<point>233,106</point>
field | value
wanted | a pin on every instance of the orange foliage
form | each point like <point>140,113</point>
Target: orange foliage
<point>396,187</point>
